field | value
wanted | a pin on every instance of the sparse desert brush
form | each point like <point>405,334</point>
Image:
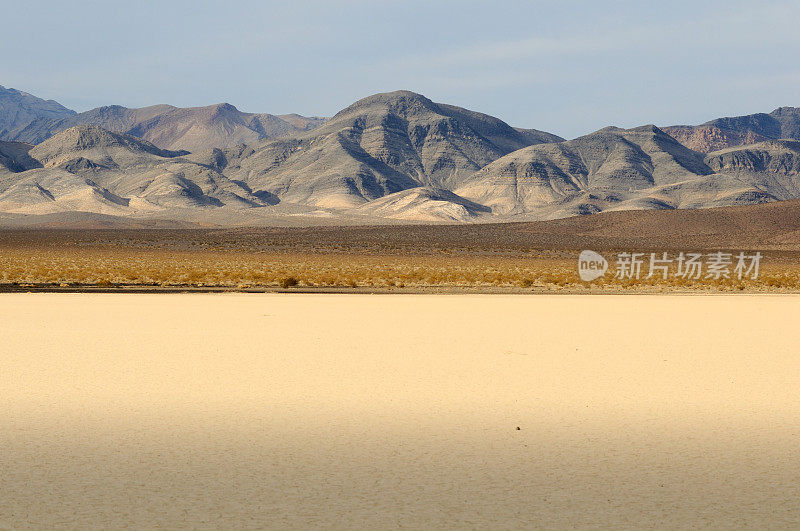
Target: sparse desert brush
<point>288,282</point>
<point>225,265</point>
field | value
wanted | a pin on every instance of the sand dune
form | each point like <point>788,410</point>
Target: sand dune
<point>385,411</point>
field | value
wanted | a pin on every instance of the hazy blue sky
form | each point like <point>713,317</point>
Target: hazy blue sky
<point>569,67</point>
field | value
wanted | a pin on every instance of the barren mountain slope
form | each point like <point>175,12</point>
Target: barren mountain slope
<point>89,169</point>
<point>168,127</point>
<point>112,118</point>
<point>771,156</point>
<point>536,136</point>
<point>14,157</point>
<point>722,133</point>
<point>772,166</point>
<point>392,156</point>
<point>423,204</point>
<point>584,175</point>
<point>18,109</point>
<point>379,145</point>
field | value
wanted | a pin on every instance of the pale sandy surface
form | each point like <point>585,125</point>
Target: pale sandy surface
<point>385,411</point>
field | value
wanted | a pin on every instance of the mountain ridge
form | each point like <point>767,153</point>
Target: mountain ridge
<point>721,133</point>
<point>18,109</point>
<point>176,128</point>
<point>389,156</point>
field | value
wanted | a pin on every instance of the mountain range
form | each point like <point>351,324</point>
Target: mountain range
<point>388,157</point>
<point>722,133</point>
<point>25,118</point>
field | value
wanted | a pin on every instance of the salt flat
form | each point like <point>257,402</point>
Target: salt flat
<point>253,410</point>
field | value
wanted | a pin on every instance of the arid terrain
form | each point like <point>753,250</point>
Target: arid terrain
<point>423,411</point>
<point>516,257</point>
<point>399,265</point>
<point>390,157</point>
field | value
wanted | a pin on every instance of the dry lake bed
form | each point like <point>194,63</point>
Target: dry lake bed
<point>365,411</point>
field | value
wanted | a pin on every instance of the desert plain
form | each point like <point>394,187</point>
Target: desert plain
<point>423,411</point>
<point>257,275</point>
<point>397,376</point>
<point>90,253</point>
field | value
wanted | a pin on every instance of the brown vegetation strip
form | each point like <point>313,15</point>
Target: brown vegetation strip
<point>297,259</point>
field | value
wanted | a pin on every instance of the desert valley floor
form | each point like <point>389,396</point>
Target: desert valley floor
<point>421,411</point>
<point>382,265</point>
<point>92,253</point>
